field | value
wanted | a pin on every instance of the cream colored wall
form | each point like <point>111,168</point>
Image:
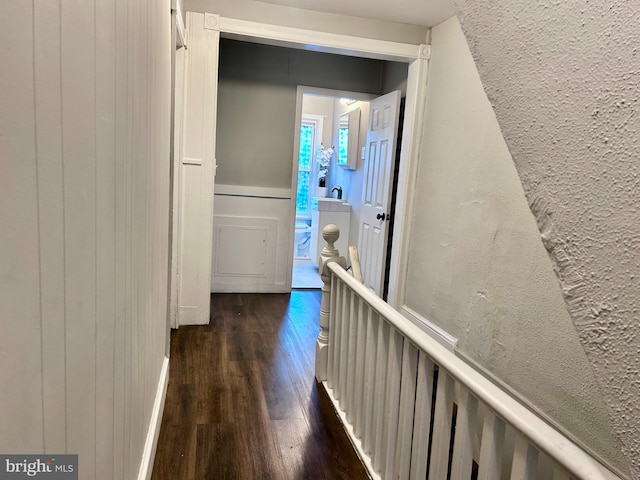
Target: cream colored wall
<point>477,267</point>
<point>84,116</point>
<point>563,80</point>
<point>265,12</point>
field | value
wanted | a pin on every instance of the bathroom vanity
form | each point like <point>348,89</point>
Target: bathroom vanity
<point>323,212</point>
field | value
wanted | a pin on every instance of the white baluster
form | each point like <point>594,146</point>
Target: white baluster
<point>559,474</point>
<point>490,463</point>
<point>407,410</point>
<point>525,460</point>
<point>466,426</point>
<point>329,254</point>
<point>350,358</point>
<point>442,427</point>
<point>331,362</point>
<point>370,357</point>
<point>361,336</point>
<point>379,393</point>
<point>392,402</point>
<point>343,345</point>
<point>422,422</point>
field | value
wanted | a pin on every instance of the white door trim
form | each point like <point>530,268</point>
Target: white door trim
<point>414,118</point>
<point>197,173</point>
<point>320,41</point>
<point>415,55</point>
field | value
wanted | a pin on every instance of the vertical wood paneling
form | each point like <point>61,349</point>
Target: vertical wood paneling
<point>51,220</point>
<point>120,208</point>
<point>105,17</point>
<point>130,287</point>
<point>84,206</point>
<point>20,342</point>
<point>78,127</point>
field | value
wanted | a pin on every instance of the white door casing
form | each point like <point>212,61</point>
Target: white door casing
<point>200,113</point>
<point>198,169</point>
<point>376,191</point>
<point>176,157</point>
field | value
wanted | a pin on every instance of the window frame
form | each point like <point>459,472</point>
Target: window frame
<point>316,123</point>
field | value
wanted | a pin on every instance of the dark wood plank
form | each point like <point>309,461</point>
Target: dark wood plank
<point>242,401</point>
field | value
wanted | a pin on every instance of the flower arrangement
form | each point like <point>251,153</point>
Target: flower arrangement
<point>323,158</point>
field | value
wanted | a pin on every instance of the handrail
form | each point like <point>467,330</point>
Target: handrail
<point>540,434</point>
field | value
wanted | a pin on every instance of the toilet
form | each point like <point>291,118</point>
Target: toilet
<point>303,240</point>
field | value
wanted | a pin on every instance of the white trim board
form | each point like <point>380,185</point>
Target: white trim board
<point>320,41</point>
<point>151,443</point>
<point>441,336</point>
<point>250,191</point>
<point>415,55</point>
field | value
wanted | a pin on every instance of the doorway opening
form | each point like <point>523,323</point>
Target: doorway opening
<point>252,215</point>
<point>328,157</point>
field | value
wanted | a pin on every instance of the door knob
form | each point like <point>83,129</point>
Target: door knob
<point>381,216</point>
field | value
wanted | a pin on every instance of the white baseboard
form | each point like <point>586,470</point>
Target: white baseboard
<point>445,339</point>
<point>151,443</point>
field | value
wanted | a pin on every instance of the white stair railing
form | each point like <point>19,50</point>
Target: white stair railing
<point>414,410</point>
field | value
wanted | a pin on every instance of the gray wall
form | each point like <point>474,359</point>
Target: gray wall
<point>477,267</point>
<point>394,77</point>
<point>257,103</point>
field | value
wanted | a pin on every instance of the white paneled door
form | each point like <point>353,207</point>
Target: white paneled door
<point>377,188</point>
<point>198,169</point>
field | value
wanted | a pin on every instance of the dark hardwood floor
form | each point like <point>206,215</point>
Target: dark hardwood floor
<point>242,401</point>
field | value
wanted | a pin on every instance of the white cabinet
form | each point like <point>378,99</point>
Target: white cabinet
<point>326,211</point>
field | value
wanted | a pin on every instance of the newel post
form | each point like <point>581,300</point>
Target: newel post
<point>329,254</point>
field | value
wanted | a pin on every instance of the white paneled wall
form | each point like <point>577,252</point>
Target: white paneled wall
<point>84,194</point>
<point>252,240</point>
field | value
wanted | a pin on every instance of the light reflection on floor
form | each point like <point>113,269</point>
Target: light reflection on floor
<point>305,274</point>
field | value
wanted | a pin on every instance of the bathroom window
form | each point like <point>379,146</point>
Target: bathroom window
<point>310,131</point>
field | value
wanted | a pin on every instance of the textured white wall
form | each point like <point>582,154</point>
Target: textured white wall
<point>477,266</point>
<point>84,142</point>
<point>564,80</point>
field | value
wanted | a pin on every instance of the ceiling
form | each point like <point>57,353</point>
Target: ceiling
<point>416,12</point>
